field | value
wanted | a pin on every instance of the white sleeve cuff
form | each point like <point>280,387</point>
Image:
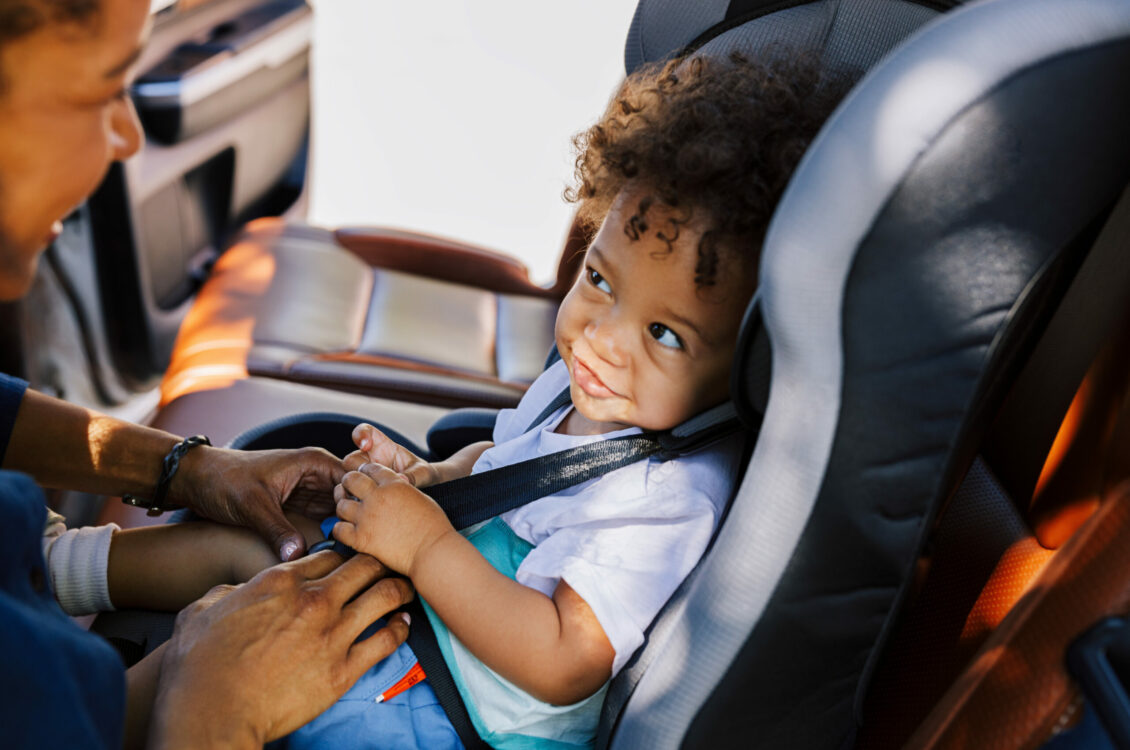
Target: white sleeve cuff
<point>77,561</point>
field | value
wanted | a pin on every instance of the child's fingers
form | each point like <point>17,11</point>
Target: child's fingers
<point>382,475</point>
<point>420,475</point>
<point>355,460</point>
<point>346,533</point>
<point>348,509</point>
<point>359,484</point>
<point>363,436</point>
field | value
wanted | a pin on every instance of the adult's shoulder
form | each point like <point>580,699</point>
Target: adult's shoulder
<point>11,394</point>
<point>63,686</point>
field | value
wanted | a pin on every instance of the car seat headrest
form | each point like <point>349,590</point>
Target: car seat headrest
<point>848,35</point>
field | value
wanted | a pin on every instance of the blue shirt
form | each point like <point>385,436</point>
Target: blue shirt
<point>61,686</point>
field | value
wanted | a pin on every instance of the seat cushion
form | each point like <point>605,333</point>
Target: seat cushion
<point>287,301</point>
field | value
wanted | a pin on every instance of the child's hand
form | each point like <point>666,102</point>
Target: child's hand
<point>384,516</point>
<point>376,447</point>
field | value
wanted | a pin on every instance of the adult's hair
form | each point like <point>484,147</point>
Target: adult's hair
<point>713,139</point>
<point>20,17</point>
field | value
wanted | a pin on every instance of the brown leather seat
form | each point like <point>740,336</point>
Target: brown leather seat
<point>380,312</point>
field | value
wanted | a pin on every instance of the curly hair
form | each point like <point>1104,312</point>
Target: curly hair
<point>713,139</point>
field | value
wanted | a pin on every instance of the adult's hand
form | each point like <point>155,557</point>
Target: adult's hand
<point>251,663</point>
<point>249,488</point>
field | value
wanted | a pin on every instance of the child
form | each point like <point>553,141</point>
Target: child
<point>537,609</point>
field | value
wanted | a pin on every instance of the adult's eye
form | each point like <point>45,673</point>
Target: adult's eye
<point>665,336</point>
<point>598,281</point>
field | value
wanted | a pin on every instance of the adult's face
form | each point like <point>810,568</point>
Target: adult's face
<point>65,115</point>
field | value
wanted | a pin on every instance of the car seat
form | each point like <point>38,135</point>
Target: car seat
<point>266,335</point>
<point>917,254</point>
<point>404,315</point>
<point>921,248</point>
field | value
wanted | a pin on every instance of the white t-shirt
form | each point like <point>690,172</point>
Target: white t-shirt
<point>624,541</point>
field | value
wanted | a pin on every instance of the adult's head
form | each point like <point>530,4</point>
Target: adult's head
<point>65,115</point>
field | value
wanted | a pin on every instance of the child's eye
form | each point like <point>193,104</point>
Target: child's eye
<point>665,336</point>
<point>598,281</point>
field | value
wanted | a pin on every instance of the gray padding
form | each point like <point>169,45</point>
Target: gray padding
<point>851,35</point>
<point>845,181</point>
<point>663,27</point>
<point>866,30</point>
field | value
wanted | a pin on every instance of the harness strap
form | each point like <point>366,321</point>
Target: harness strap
<point>422,641</point>
<point>561,399</point>
<point>481,496</point>
<point>477,497</point>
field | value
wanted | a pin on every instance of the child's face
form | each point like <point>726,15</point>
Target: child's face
<point>644,345</point>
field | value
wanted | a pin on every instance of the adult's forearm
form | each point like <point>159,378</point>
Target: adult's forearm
<point>551,653</point>
<point>66,446</point>
<point>141,689</point>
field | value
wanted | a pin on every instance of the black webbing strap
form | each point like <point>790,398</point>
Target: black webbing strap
<point>422,641</point>
<point>477,497</point>
<point>558,401</point>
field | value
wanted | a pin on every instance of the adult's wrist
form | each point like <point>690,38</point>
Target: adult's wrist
<point>183,487</point>
<point>174,462</point>
<point>182,721</point>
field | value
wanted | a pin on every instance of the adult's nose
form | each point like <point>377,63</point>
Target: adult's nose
<point>125,129</point>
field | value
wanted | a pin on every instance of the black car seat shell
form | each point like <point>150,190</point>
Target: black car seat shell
<point>912,261</point>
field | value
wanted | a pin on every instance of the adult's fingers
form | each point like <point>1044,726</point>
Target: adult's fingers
<point>354,575</point>
<point>364,654</point>
<point>317,565</point>
<point>386,595</point>
<point>216,593</point>
<point>268,520</point>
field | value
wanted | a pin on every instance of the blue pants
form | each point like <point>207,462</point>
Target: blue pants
<point>412,719</point>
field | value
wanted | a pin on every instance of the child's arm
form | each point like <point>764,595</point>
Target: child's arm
<point>555,649</point>
<point>373,446</point>
<point>167,567</point>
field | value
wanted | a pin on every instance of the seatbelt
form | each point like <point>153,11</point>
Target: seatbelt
<point>477,497</point>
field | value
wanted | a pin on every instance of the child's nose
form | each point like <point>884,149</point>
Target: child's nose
<point>603,336</point>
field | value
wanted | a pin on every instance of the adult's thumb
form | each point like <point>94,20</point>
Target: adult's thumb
<point>280,533</point>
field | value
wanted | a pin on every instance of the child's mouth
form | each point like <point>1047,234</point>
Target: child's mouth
<point>588,381</point>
